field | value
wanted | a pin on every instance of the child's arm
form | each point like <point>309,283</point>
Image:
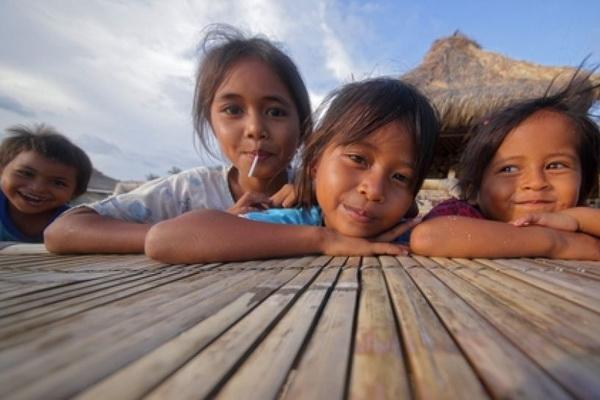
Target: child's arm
<point>454,236</point>
<point>210,236</point>
<point>578,219</point>
<point>85,231</point>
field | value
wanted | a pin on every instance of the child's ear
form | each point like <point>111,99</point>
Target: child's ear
<point>313,169</point>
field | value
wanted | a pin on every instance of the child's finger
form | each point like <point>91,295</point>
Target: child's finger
<point>398,230</point>
<point>290,200</point>
<point>389,249</point>
<point>525,220</point>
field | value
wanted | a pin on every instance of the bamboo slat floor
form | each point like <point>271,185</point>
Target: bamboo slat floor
<point>126,327</point>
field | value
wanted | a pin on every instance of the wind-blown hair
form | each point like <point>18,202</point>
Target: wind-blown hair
<point>222,47</point>
<point>572,101</point>
<point>47,142</point>
<point>358,109</point>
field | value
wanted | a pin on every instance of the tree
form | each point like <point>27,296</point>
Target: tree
<point>151,177</point>
<point>174,170</point>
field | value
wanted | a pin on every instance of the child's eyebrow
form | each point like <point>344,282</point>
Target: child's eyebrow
<point>273,97</point>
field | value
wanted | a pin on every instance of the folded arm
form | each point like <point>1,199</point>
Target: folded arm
<point>212,236</point>
<point>453,236</point>
<point>85,231</point>
<point>588,219</point>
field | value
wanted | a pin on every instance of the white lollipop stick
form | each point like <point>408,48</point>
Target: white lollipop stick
<point>253,166</point>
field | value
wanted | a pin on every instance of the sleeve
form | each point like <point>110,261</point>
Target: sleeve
<point>168,197</point>
<point>290,216</point>
<point>453,207</point>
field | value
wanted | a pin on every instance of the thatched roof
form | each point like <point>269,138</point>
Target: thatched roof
<point>101,183</point>
<point>465,82</point>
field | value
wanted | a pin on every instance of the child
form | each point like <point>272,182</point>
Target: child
<point>250,94</point>
<point>526,174</point>
<point>41,171</point>
<point>363,166</point>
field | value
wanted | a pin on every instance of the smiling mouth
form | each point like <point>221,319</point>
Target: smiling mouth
<point>32,199</point>
<point>262,154</point>
<point>358,214</point>
<point>533,202</point>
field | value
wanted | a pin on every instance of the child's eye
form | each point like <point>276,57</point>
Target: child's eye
<point>60,183</point>
<point>276,112</point>
<point>232,110</point>
<point>400,177</point>
<point>508,169</point>
<point>24,173</point>
<point>556,165</point>
<point>357,159</point>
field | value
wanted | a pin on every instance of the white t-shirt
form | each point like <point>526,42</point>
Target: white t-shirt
<point>164,198</point>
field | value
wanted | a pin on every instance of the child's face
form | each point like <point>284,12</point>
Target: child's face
<point>253,114</point>
<point>364,188</point>
<point>535,169</point>
<point>35,184</point>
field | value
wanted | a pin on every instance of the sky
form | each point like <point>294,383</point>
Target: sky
<point>117,76</point>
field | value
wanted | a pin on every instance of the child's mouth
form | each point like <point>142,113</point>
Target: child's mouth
<point>358,214</point>
<point>261,154</point>
<point>32,199</point>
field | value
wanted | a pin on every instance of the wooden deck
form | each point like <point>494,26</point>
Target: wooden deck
<point>121,327</point>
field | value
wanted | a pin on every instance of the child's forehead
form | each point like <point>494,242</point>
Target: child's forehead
<point>37,160</point>
<point>544,131</point>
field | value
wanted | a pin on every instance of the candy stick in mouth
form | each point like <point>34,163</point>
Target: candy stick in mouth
<point>253,166</point>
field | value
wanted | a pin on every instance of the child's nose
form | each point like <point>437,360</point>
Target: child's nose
<point>372,186</point>
<point>534,179</point>
<point>255,127</point>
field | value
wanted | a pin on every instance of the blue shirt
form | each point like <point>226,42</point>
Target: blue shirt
<point>8,230</point>
<point>300,216</point>
<point>291,216</point>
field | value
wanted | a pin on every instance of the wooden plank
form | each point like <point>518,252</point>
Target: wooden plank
<point>505,371</point>
<point>66,296</point>
<point>141,376</point>
<point>562,319</point>
<point>203,373</point>
<point>378,369</point>
<point>74,368</point>
<point>569,291</point>
<point>119,319</point>
<point>29,318</point>
<point>438,369</point>
<point>330,346</point>
<point>262,375</point>
<point>577,267</point>
<point>62,290</point>
<point>573,367</point>
<point>22,248</point>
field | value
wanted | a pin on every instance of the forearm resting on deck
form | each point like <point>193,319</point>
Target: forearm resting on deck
<point>210,235</point>
<point>452,236</point>
<point>587,218</point>
<point>85,231</point>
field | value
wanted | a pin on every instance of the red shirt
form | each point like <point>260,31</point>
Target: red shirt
<point>454,207</point>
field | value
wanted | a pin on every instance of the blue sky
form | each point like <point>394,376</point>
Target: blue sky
<point>117,76</point>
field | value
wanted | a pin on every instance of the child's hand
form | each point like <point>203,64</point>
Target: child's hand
<point>250,201</point>
<point>555,220</point>
<point>286,197</point>
<point>397,230</point>
<point>335,244</point>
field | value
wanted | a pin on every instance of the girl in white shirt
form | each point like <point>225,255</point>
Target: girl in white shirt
<point>252,97</point>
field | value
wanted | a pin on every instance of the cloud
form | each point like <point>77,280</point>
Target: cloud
<point>118,76</point>
<point>13,105</point>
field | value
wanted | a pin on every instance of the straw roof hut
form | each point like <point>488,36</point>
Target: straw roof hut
<point>465,83</point>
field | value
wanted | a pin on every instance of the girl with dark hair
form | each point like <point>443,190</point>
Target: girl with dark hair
<point>360,172</point>
<point>251,96</point>
<point>525,176</point>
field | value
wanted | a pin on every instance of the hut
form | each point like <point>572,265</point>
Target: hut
<point>99,187</point>
<point>465,83</point>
